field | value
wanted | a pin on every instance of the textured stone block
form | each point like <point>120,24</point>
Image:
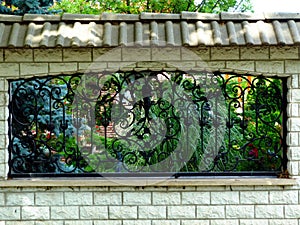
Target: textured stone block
<point>77,55</point>
<point>195,54</point>
<point>254,197</point>
<point>33,68</point>
<point>269,66</point>
<point>64,212</point>
<point>35,213</point>
<point>107,222</point>
<point>136,198</point>
<point>239,211</point>
<point>181,212</point>
<point>254,222</point>
<point>18,55</point>
<point>284,197</point>
<point>48,55</point>
<point>225,197</point>
<point>136,222</point>
<point>195,198</point>
<point>49,198</point>
<point>195,222</point>
<point>107,198</point>
<point>292,211</point>
<point>166,222</point>
<point>283,221</point>
<point>292,66</point>
<point>10,213</point>
<point>224,222</point>
<point>165,54</point>
<point>152,212</point>
<point>62,67</point>
<point>224,53</point>
<point>240,65</point>
<point>123,212</point>
<point>210,212</point>
<point>269,211</point>
<point>107,55</point>
<point>284,52</point>
<point>136,54</point>
<point>20,199</point>
<point>9,70</point>
<point>93,212</point>
<point>254,53</point>
<point>78,198</point>
<point>166,198</point>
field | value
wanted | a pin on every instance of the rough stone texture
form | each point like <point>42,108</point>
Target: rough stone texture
<point>205,205</point>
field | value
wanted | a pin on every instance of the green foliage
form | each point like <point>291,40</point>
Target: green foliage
<point>156,6</point>
<point>20,7</point>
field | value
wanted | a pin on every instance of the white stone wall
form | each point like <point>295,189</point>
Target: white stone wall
<point>207,205</point>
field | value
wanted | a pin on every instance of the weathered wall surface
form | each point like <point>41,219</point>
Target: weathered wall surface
<point>209,205</point>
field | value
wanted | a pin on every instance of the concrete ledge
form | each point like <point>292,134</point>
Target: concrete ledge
<point>143,182</point>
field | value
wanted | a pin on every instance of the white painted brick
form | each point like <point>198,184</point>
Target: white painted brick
<point>35,213</point>
<point>269,211</point>
<point>292,211</point>
<point>269,66</point>
<point>284,52</point>
<point>33,68</point>
<point>136,54</point>
<point>254,197</point>
<point>195,198</point>
<point>254,222</point>
<point>120,65</point>
<point>47,55</point>
<point>210,212</point>
<point>166,222</point>
<point>78,198</point>
<point>231,197</point>
<point>18,55</point>
<point>254,52</point>
<point>239,211</point>
<point>137,198</point>
<point>240,65</point>
<point>284,197</point>
<point>62,67</point>
<point>195,222</point>
<point>213,65</point>
<point>107,198</point>
<point>166,198</point>
<point>152,212</point>
<point>136,222</point>
<point>224,53</point>
<point>181,212</point>
<point>49,198</point>
<point>293,139</point>
<point>293,110</point>
<point>122,212</point>
<point>295,81</point>
<point>77,55</point>
<point>64,212</point>
<point>19,199</point>
<point>283,221</point>
<point>10,213</point>
<point>9,70</point>
<point>224,222</point>
<point>107,222</point>
<point>95,66</point>
<point>165,54</point>
<point>93,212</point>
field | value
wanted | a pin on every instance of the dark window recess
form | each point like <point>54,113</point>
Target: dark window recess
<point>147,123</point>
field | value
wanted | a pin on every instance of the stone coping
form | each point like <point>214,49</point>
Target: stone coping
<point>144,182</point>
<point>223,16</point>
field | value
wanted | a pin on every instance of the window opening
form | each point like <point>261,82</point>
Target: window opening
<point>147,123</point>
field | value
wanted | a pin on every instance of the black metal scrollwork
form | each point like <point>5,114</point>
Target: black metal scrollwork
<point>142,122</point>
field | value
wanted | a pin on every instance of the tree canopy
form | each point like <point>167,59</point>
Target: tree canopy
<point>20,7</point>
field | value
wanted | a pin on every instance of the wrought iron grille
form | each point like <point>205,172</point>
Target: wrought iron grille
<point>143,123</point>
